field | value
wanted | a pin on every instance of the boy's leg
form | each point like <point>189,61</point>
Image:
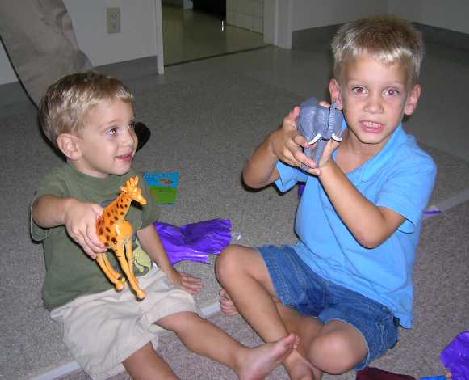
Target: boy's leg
<point>145,364</point>
<point>334,347</point>
<point>243,273</point>
<point>337,348</point>
<point>204,338</point>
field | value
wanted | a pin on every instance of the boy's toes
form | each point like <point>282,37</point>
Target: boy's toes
<point>227,305</point>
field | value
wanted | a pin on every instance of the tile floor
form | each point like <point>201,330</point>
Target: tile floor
<point>190,35</point>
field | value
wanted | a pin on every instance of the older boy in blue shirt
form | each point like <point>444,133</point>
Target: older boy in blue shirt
<point>359,218</point>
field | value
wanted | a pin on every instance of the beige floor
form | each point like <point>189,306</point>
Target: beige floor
<point>189,35</point>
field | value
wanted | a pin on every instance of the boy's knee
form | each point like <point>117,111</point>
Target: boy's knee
<point>231,261</point>
<point>226,261</point>
<point>334,354</point>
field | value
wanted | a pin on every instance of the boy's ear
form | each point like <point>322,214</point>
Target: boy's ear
<point>412,100</point>
<point>335,92</point>
<point>68,145</point>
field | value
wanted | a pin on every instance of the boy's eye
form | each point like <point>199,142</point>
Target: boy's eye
<point>112,131</point>
<point>358,90</point>
<point>392,91</point>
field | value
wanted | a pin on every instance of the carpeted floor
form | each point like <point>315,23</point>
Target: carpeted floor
<point>205,119</point>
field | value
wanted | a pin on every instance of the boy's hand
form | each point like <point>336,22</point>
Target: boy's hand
<point>80,223</point>
<point>325,158</point>
<point>191,284</point>
<point>287,143</point>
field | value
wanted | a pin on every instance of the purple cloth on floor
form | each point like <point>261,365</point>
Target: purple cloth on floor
<point>455,357</point>
<point>194,241</point>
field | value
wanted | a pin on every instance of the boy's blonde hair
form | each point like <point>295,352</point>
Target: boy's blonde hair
<point>64,107</point>
<point>388,39</point>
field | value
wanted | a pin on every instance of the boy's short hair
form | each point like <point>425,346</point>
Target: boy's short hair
<point>64,107</point>
<point>389,39</point>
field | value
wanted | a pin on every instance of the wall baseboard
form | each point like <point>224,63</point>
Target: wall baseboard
<point>312,38</point>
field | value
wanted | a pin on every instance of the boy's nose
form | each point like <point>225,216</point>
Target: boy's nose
<point>129,137</point>
<point>374,104</point>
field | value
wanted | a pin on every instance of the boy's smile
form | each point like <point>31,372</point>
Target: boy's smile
<point>107,143</point>
<point>374,97</point>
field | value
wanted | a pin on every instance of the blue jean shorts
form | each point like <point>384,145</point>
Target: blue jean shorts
<point>299,288</point>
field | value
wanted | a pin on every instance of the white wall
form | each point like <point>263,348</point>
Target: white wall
<point>304,14</point>
<point>137,38</point>
<point>448,14</point>
<point>315,13</point>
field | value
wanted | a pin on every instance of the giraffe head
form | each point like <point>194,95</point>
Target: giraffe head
<point>132,189</point>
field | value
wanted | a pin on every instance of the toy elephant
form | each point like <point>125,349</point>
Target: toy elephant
<point>318,125</point>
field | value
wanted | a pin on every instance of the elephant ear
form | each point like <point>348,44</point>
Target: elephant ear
<point>336,118</point>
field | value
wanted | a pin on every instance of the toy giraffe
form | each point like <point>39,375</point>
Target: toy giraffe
<point>116,233</point>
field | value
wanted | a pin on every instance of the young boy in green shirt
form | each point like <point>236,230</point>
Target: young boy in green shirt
<point>89,118</point>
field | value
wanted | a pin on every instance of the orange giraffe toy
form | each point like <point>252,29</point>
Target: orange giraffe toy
<point>116,233</point>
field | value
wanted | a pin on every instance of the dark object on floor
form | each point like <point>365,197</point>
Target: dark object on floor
<point>143,134</point>
<point>370,373</point>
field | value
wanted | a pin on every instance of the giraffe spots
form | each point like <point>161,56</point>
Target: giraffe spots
<point>101,231</point>
<point>114,240</point>
<point>108,229</point>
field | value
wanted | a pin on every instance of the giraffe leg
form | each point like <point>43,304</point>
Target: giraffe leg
<point>116,279</point>
<point>120,278</point>
<point>126,265</point>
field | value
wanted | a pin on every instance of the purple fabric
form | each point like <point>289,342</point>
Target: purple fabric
<point>455,357</point>
<point>194,241</point>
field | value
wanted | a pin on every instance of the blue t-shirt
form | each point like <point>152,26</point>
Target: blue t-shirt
<point>400,177</point>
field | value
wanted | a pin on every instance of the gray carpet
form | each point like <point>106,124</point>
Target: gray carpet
<point>205,122</point>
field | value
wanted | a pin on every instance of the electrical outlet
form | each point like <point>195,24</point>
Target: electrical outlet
<point>113,20</point>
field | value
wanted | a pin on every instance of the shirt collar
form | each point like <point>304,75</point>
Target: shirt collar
<point>368,170</point>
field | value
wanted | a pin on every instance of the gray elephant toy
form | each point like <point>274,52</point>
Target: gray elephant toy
<point>318,125</point>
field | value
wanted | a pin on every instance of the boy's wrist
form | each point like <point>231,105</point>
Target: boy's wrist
<point>327,168</point>
<point>271,143</point>
<point>66,206</point>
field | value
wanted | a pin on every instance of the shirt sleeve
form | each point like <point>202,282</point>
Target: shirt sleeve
<point>51,184</point>
<point>289,177</point>
<point>150,210</point>
<point>408,189</point>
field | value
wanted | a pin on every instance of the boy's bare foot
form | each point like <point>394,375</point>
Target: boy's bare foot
<point>299,368</point>
<point>262,360</point>
<point>227,305</point>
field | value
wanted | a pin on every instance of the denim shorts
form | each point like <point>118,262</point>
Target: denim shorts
<point>299,288</point>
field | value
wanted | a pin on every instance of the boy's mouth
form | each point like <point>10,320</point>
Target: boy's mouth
<point>126,157</point>
<point>371,126</point>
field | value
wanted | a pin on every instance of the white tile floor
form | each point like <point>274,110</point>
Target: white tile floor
<point>189,35</point>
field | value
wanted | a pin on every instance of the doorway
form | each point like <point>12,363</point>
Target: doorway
<point>199,29</point>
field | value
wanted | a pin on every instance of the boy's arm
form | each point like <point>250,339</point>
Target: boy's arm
<point>79,219</point>
<point>151,243</point>
<point>370,225</point>
<point>283,144</point>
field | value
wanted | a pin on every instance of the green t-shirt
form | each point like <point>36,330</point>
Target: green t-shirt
<point>70,273</point>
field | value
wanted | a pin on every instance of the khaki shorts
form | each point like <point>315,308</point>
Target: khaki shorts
<point>102,330</point>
